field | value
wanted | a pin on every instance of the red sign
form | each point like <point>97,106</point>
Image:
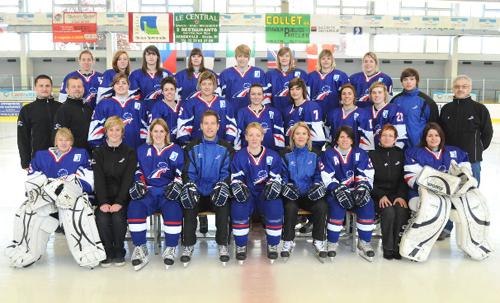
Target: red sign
<point>74,27</point>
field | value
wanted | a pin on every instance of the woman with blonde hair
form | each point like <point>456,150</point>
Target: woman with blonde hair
<point>303,189</point>
<point>157,187</point>
<point>114,166</point>
<point>325,82</point>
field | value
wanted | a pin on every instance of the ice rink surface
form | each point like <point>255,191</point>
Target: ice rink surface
<point>448,276</point>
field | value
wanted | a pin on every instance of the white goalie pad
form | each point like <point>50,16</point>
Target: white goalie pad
<point>425,226</point>
<point>472,221</point>
<point>467,181</point>
<point>439,182</point>
<point>32,225</point>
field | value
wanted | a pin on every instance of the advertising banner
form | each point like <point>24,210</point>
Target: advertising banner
<point>197,27</point>
<point>150,27</point>
<point>288,28</point>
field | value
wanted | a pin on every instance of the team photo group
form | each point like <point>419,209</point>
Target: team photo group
<point>253,147</point>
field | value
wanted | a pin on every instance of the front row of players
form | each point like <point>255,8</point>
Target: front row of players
<point>207,176</point>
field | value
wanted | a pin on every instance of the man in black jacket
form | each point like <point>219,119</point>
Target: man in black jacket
<point>35,121</point>
<point>467,123</point>
<point>75,114</point>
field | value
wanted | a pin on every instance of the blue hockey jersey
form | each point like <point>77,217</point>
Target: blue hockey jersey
<point>277,86</point>
<point>389,114</point>
<point>418,157</point>
<point>148,84</point>
<point>105,90</point>
<point>350,170</point>
<point>132,113</point>
<point>74,161</point>
<point>310,113</point>
<point>188,123</point>
<point>207,162</point>
<point>255,173</point>
<point>301,168</point>
<point>90,84</point>
<point>235,86</point>
<point>362,84</point>
<point>324,89</point>
<point>270,119</point>
<point>159,167</point>
<point>358,119</point>
<point>161,110</point>
<point>187,87</point>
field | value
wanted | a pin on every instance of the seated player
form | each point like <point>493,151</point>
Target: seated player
<point>206,186</point>
<point>158,184</point>
<point>347,173</point>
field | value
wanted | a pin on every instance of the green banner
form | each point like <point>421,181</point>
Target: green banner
<point>196,27</point>
<point>288,28</point>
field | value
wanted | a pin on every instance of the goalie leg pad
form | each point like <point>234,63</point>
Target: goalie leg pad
<point>81,233</point>
<point>472,221</point>
<point>32,229</point>
<point>425,226</point>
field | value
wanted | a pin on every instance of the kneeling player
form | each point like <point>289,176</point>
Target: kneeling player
<point>206,185</point>
<point>256,184</point>
<point>157,187</point>
<point>303,188</point>
<point>347,174</point>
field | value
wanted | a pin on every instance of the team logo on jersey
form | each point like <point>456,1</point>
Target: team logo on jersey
<point>336,77</point>
<point>297,74</point>
<point>93,90</point>
<point>336,160</point>
<point>271,114</point>
<point>309,162</point>
<point>148,154</point>
<point>173,156</point>
<point>261,177</point>
<point>356,156</point>
<point>349,176</point>
<point>77,157</point>
<point>63,172</point>
<point>269,160</point>
<point>222,103</point>
<point>265,126</point>
<point>325,91</point>
<point>284,91</point>
<point>256,74</point>
<point>244,91</point>
<point>127,118</point>
<point>292,163</point>
<point>385,113</point>
<point>380,79</point>
<point>453,153</point>
<point>162,168</point>
<point>137,105</point>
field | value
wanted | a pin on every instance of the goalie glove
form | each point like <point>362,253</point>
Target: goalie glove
<point>290,192</point>
<point>173,191</point>
<point>343,195</point>
<point>361,195</point>
<point>220,194</point>
<point>240,191</point>
<point>272,190</point>
<point>189,195</point>
<point>138,190</point>
<point>316,192</point>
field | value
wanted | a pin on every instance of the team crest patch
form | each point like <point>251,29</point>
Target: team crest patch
<point>336,77</point>
<point>222,104</point>
<point>453,153</point>
<point>385,113</point>
<point>256,74</point>
<point>137,105</point>
<point>148,154</point>
<point>269,160</point>
<point>173,156</point>
<point>77,157</point>
<point>271,114</point>
<point>356,156</point>
<point>380,79</point>
<point>297,74</point>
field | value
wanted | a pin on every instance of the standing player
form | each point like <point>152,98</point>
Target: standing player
<point>267,116</point>
<point>304,110</point>
<point>256,184</point>
<point>206,186</point>
<point>158,181</point>
<point>235,82</point>
<point>386,113</point>
<point>121,64</point>
<point>358,119</point>
<point>187,79</point>
<point>192,110</point>
<point>325,82</point>
<point>417,107</point>
<point>147,78</point>
<point>128,107</point>
<point>36,121</point>
<point>303,188</point>
<point>167,108</point>
<point>278,79</point>
<point>91,79</point>
<point>347,173</point>
<point>364,79</point>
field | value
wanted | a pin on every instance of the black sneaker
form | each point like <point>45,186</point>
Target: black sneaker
<point>106,263</point>
<point>119,261</point>
<point>388,254</point>
<point>203,224</point>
